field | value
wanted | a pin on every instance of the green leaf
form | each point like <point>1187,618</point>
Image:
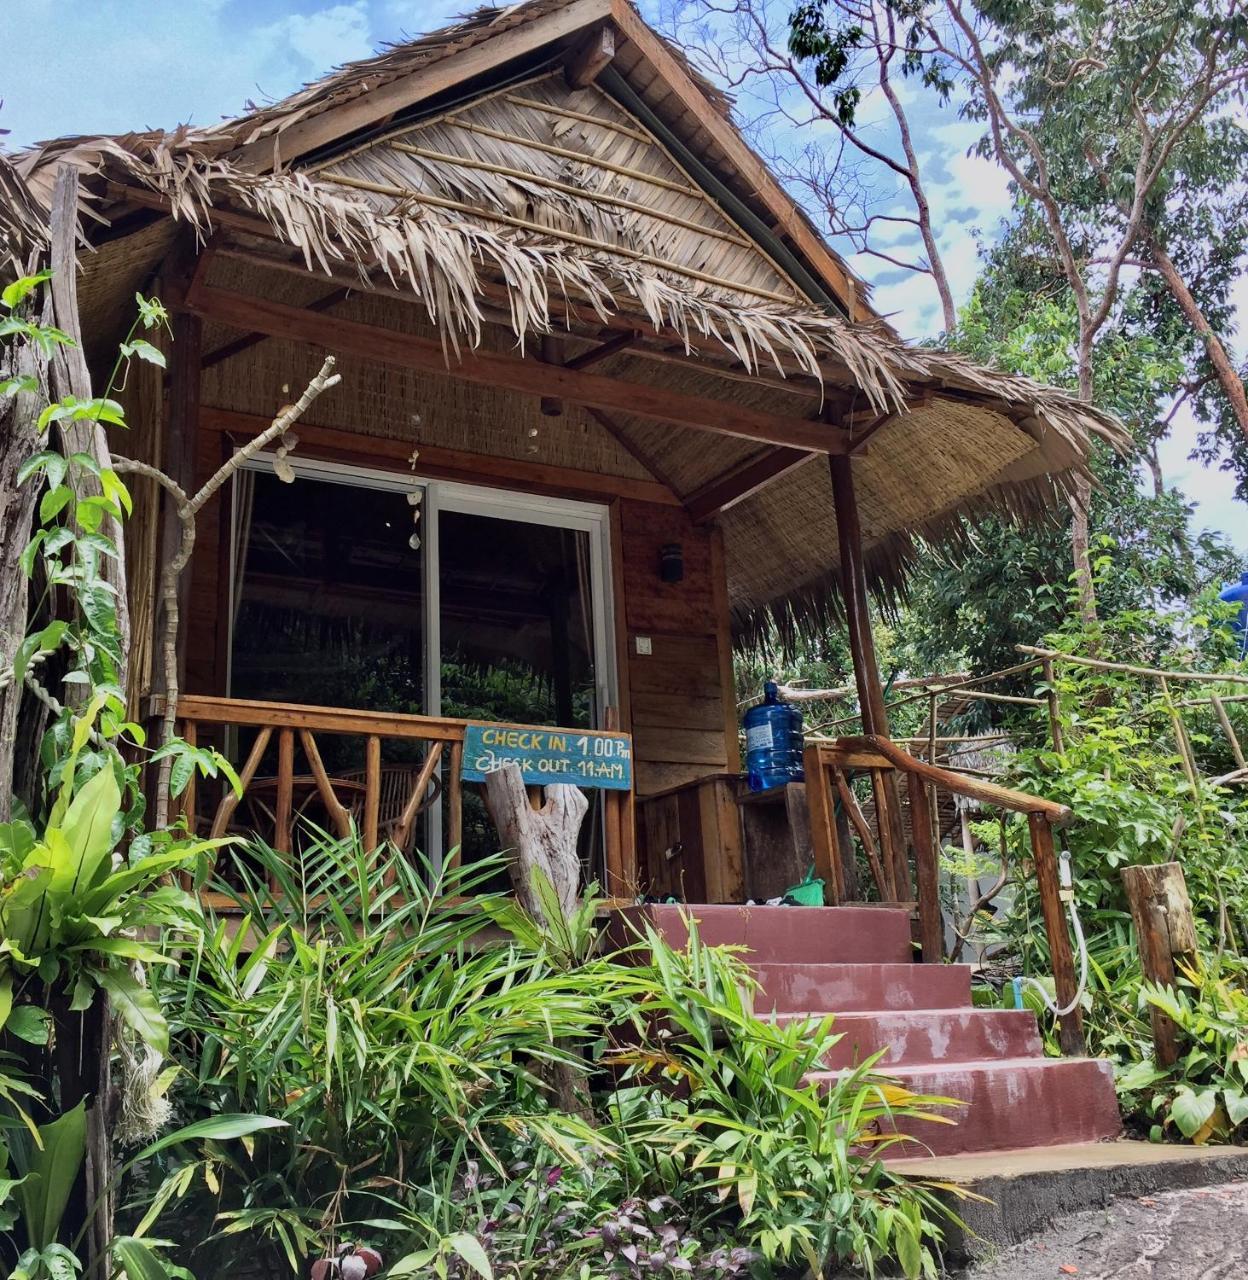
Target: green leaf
<point>26,561</point>
<point>20,288</point>
<point>53,1170</point>
<point>1191,1111</point>
<point>180,773</point>
<point>909,1250</point>
<point>6,1004</point>
<point>1236,1106</point>
<point>88,828</point>
<point>137,1006</point>
<point>30,1023</point>
<point>54,502</point>
<point>99,606</point>
<point>138,1261</point>
<point>216,1128</point>
<point>145,351</point>
<point>83,997</point>
<point>48,458</point>
<point>469,1248</point>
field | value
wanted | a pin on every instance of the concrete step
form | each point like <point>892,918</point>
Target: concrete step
<point>802,935</point>
<point>932,1036</point>
<point>852,988</point>
<point>1012,1103</point>
<point>1018,1193</point>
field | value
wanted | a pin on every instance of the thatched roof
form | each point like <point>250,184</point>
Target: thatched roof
<point>460,169</point>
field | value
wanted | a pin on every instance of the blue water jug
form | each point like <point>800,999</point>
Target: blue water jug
<point>773,742</point>
<point>1237,593</point>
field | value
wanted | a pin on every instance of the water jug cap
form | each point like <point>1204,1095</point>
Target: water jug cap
<point>771,690</point>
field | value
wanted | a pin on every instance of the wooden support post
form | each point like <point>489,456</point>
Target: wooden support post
<point>866,668</point>
<point>855,815</point>
<point>1044,855</point>
<point>230,801</point>
<point>335,811</point>
<point>927,871</point>
<point>854,594</point>
<point>849,861</point>
<point>454,792</point>
<point>540,839</point>
<point>372,791</point>
<point>823,834</point>
<point>284,805</point>
<point>1164,928</point>
<point>589,57</point>
<point>892,833</point>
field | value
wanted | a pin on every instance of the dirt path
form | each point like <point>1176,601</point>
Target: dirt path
<point>1199,1234</point>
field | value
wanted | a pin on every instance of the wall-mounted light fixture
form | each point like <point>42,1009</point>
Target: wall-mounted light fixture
<point>671,562</point>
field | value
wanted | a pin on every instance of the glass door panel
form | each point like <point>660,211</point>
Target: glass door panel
<point>516,614</point>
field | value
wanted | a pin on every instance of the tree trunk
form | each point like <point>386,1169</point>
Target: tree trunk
<point>18,441</point>
<point>1164,928</point>
<point>1228,377</point>
<point>1080,502</point>
<point>69,376</point>
<point>543,842</point>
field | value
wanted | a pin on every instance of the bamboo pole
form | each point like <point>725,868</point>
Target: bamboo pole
<point>1055,724</point>
<point>1101,664</point>
<point>1227,728</point>
<point>1181,742</point>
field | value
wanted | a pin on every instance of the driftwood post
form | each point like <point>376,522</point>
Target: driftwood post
<point>1164,928</point>
<point>541,838</point>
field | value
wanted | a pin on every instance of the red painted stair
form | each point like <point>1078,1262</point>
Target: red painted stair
<point>857,963</point>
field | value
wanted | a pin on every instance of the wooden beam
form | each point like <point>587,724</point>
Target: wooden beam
<point>440,463</point>
<point>704,354</point>
<point>378,102</point>
<point>603,351</point>
<point>511,373</point>
<point>743,481</point>
<point>639,455</point>
<point>235,347</point>
<point>589,57</point>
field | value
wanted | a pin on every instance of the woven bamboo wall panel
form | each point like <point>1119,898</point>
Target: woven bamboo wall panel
<point>571,163</point>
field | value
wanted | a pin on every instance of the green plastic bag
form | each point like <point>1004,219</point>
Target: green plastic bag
<point>807,894</point>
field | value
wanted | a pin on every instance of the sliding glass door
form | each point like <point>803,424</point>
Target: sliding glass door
<point>356,588</point>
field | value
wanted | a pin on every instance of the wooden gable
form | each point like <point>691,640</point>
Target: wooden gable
<point>565,164</point>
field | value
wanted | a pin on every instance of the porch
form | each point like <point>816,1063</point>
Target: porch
<point>409,792</point>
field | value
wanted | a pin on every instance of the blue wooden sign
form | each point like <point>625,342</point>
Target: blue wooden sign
<point>578,756</point>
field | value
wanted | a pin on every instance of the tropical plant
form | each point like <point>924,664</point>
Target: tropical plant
<point>82,886</point>
<point>412,1062</point>
<point>1204,1096</point>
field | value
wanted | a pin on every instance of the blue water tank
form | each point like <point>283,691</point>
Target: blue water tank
<point>1237,593</point>
<point>773,742</point>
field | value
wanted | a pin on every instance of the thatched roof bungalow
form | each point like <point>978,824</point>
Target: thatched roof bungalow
<point>566,296</point>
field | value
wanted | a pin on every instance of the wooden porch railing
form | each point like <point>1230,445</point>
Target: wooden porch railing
<point>383,799</point>
<point>830,764</point>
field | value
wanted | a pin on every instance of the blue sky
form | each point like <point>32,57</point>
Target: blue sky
<point>93,66</point>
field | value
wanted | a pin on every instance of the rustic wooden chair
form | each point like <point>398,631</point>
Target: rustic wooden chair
<point>397,781</point>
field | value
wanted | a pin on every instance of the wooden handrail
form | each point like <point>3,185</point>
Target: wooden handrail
<point>443,737</point>
<point>973,788</point>
<point>874,754</point>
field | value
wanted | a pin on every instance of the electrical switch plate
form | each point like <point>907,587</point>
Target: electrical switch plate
<point>644,646</point>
